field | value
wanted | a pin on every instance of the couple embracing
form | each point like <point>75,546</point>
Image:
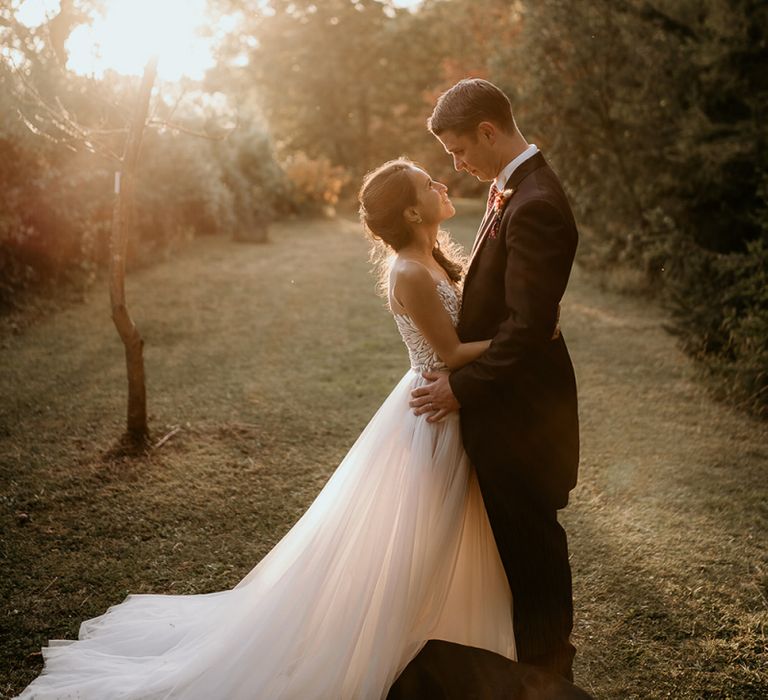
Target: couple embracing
<point>432,563</point>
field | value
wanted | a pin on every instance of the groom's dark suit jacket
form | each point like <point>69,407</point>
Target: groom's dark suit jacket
<point>518,400</point>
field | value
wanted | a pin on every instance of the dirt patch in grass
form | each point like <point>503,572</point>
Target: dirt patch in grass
<point>267,361</point>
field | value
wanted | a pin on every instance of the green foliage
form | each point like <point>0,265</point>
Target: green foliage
<point>52,210</point>
<point>652,111</point>
<point>720,306</point>
<point>600,98</point>
<point>720,295</point>
<point>192,186</point>
<point>56,185</point>
<point>339,80</point>
<point>654,114</point>
<point>57,205</point>
<point>301,62</point>
<point>251,172</point>
<point>723,136</point>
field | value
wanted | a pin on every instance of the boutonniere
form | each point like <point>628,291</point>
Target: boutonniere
<point>499,202</point>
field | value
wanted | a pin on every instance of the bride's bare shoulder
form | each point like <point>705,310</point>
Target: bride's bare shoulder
<point>408,278</point>
<point>409,271</point>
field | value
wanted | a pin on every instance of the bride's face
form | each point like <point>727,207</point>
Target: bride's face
<point>433,204</point>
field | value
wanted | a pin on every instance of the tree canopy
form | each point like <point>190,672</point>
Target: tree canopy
<point>652,111</point>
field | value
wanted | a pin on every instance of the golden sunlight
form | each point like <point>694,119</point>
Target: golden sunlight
<point>128,32</point>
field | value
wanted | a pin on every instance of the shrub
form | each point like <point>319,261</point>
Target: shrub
<point>654,115</point>
<point>316,183</point>
<point>56,203</point>
<point>719,303</point>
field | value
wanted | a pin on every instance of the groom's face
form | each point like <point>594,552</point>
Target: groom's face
<point>471,153</point>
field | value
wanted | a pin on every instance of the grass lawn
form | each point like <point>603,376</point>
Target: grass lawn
<point>270,360</point>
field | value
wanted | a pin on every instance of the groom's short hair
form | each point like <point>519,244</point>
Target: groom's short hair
<point>471,101</point>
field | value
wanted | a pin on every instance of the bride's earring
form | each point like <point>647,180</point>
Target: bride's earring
<point>417,220</point>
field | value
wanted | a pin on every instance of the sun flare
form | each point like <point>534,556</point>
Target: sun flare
<point>128,32</point>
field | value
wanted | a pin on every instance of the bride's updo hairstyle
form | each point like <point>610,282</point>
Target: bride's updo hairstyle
<point>386,193</point>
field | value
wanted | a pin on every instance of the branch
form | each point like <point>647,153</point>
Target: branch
<point>648,12</point>
<point>61,120</point>
<point>108,132</point>
<point>63,110</point>
<point>36,130</point>
<point>160,101</point>
<point>115,108</point>
<point>167,437</point>
<point>192,132</point>
<point>176,104</point>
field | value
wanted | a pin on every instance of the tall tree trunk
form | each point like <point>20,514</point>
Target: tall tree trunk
<point>137,432</point>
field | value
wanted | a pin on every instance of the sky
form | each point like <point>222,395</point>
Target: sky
<point>167,27</point>
<point>170,28</point>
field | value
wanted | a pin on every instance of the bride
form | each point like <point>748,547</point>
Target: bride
<point>395,550</point>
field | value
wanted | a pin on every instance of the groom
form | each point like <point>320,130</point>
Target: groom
<point>517,402</point>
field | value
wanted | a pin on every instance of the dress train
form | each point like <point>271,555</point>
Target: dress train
<point>395,550</point>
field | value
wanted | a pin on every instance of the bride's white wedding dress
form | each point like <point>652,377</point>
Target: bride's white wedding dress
<point>395,550</point>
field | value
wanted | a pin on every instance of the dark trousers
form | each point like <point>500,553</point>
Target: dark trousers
<point>534,550</point>
<point>447,671</point>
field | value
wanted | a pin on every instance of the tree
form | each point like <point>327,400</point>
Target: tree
<point>337,79</point>
<point>719,253</point>
<point>655,113</point>
<point>50,119</point>
<point>137,430</point>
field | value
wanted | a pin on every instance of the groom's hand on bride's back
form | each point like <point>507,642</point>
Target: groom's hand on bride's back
<point>435,399</point>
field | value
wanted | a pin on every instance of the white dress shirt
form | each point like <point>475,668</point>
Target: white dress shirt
<point>514,164</point>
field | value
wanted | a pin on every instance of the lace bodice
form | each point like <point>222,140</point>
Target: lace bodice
<point>423,357</point>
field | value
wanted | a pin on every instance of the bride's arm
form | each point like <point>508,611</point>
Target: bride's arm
<point>415,290</point>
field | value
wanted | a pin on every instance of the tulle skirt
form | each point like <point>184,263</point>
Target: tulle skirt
<point>395,550</point>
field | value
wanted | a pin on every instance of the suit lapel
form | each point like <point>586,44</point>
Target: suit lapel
<point>532,164</point>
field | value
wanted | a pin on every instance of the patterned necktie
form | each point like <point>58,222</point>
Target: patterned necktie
<point>491,197</point>
<point>488,207</point>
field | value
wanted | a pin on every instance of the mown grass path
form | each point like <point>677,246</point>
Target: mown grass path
<point>271,359</point>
